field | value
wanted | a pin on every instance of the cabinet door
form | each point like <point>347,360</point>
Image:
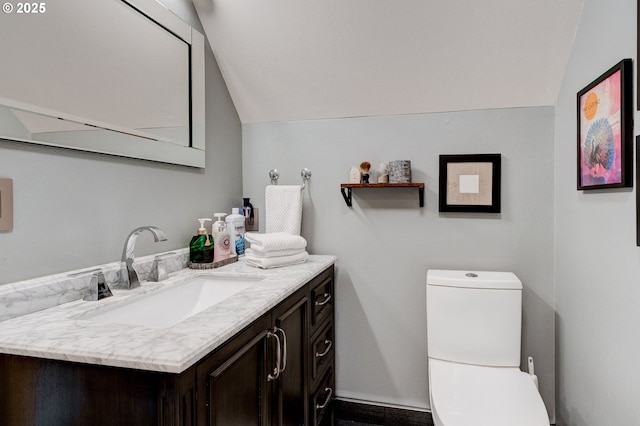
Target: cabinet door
<point>291,319</point>
<point>233,381</point>
<point>45,392</point>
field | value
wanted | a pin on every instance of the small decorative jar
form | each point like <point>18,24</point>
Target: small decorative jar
<point>400,171</point>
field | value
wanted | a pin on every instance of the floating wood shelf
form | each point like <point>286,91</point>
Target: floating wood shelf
<point>346,189</point>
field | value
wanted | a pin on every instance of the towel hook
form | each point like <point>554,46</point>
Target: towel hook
<point>306,175</point>
<point>274,175</point>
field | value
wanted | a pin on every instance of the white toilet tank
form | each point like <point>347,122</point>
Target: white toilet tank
<point>474,317</point>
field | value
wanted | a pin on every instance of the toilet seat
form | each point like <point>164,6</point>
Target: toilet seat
<point>464,395</point>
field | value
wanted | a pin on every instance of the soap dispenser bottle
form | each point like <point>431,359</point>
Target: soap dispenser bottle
<point>201,245</point>
<point>221,238</point>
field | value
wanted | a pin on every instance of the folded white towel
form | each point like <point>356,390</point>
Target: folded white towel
<point>275,241</point>
<point>258,252</point>
<point>283,208</point>
<point>275,262</point>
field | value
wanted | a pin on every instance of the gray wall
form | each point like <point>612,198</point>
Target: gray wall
<point>386,243</point>
<point>597,261</point>
<point>74,209</point>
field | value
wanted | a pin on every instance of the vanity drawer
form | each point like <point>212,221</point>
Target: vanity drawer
<point>322,299</point>
<point>322,412</point>
<point>322,351</point>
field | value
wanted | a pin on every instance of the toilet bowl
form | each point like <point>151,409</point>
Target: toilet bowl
<point>470,395</point>
<point>473,346</point>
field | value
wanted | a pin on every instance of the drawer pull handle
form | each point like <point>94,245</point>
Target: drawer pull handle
<point>327,400</point>
<point>328,344</point>
<point>284,348</point>
<point>276,369</point>
<point>327,297</point>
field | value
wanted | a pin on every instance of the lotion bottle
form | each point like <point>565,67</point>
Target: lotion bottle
<point>201,245</point>
<point>235,226</point>
<point>221,238</point>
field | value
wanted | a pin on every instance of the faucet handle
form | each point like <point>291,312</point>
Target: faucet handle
<point>159,268</point>
<point>98,288</point>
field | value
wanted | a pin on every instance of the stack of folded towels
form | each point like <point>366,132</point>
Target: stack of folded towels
<point>275,249</point>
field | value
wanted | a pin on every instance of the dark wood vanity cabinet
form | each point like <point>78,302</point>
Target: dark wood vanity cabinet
<point>277,371</point>
<point>246,382</point>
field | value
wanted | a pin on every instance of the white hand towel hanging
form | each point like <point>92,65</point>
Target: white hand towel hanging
<point>283,205</point>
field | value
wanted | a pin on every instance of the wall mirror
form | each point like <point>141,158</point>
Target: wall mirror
<point>120,77</point>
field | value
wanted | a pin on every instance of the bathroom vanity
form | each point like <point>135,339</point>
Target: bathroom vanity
<point>264,357</point>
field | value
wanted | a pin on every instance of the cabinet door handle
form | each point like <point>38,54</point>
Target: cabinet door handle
<point>328,344</point>
<point>284,348</point>
<point>326,401</point>
<point>276,369</point>
<point>327,297</point>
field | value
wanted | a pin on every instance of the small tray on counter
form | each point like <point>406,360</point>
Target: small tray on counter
<point>213,265</point>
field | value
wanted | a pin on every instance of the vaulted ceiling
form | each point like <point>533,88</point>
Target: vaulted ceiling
<point>287,60</point>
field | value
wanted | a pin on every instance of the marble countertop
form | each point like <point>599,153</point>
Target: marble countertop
<point>61,333</point>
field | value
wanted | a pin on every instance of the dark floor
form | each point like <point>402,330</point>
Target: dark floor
<point>351,423</point>
<point>354,414</point>
<point>339,422</point>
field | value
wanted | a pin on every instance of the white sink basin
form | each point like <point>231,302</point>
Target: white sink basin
<point>170,306</point>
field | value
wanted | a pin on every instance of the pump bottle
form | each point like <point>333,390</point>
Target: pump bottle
<point>201,245</point>
<point>222,239</point>
<point>235,226</point>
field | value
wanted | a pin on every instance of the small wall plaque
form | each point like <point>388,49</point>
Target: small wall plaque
<point>6,204</point>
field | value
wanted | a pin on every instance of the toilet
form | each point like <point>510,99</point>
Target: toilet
<point>473,344</point>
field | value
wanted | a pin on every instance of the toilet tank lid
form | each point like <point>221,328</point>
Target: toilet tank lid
<point>474,279</point>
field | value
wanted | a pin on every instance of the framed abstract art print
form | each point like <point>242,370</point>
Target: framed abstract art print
<point>605,130</point>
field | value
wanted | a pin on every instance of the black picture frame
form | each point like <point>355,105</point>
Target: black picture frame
<point>605,130</point>
<point>470,183</point>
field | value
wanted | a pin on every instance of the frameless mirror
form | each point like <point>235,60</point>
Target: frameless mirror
<point>121,77</point>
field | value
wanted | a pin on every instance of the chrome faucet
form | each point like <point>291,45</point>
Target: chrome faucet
<point>128,275</point>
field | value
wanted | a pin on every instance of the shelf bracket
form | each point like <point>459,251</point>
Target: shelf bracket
<point>421,195</point>
<point>346,195</point>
